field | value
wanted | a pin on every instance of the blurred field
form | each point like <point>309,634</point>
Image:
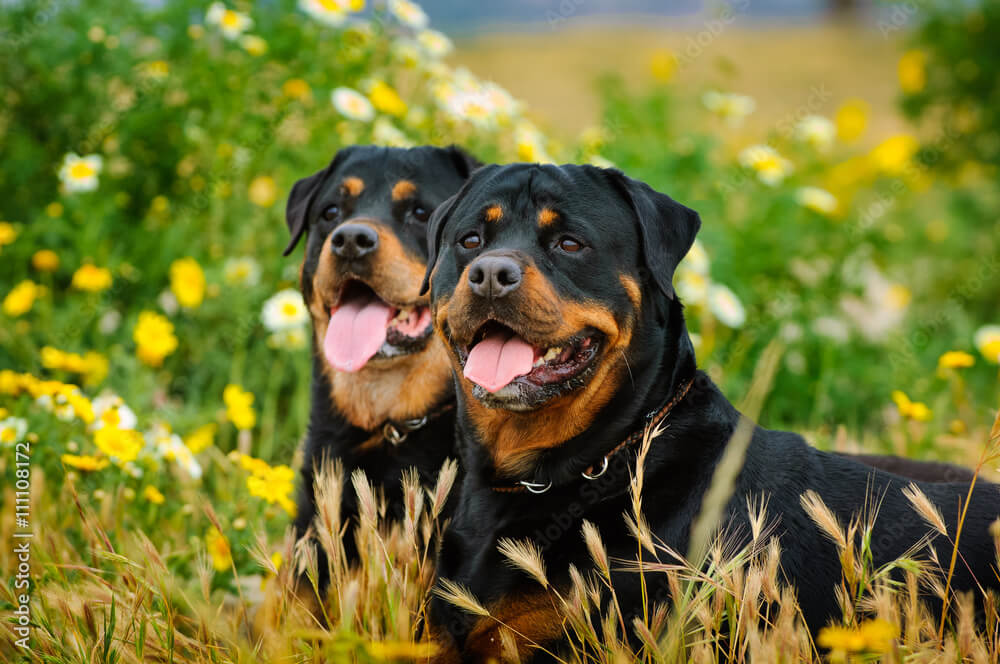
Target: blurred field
<point>781,67</point>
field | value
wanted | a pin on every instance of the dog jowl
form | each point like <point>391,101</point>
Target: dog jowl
<point>551,288</point>
<point>382,392</point>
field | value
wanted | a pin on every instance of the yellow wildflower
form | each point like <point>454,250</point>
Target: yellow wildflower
<point>54,210</point>
<point>122,445</point>
<point>239,407</point>
<point>201,438</point>
<point>154,337</point>
<point>956,359</point>
<point>987,340</point>
<point>153,495</point>
<point>385,99</point>
<point>912,71</point>
<point>296,88</point>
<point>91,278</point>
<point>893,155</point>
<point>851,120</point>
<point>45,260</point>
<point>262,191</point>
<point>254,465</point>
<point>7,233</point>
<point>275,485</point>
<point>871,636</point>
<point>253,44</point>
<point>663,65</point>
<point>218,550</point>
<point>21,298</point>
<point>84,462</point>
<point>914,410</point>
<point>187,282</point>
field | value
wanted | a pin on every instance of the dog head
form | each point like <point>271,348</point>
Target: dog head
<point>365,216</point>
<point>541,278</point>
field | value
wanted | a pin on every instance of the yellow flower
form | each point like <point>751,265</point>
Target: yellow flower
<point>84,462</point>
<point>914,410</point>
<point>851,120</point>
<point>187,282</point>
<point>262,191</point>
<point>154,337</point>
<point>275,485</point>
<point>7,233</point>
<point>153,495</point>
<point>893,155</point>
<point>91,278</point>
<point>296,88</point>
<point>255,466</point>
<point>21,298</point>
<point>218,550</point>
<point>45,260</point>
<point>201,438</point>
<point>54,210</point>
<point>663,65</point>
<point>239,407</point>
<point>253,44</point>
<point>385,99</point>
<point>987,340</point>
<point>956,359</point>
<point>122,445</point>
<point>913,71</point>
<point>870,636</point>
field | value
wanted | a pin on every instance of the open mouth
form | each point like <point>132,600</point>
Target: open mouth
<point>510,372</point>
<point>364,327</point>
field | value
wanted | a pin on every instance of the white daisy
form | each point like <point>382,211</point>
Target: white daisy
<point>817,200</point>
<point>731,107</point>
<point>232,23</point>
<point>386,133</point>
<point>80,173</point>
<point>725,306</point>
<point>109,408</point>
<point>771,167</point>
<point>352,104</point>
<point>987,340</point>
<point>291,339</point>
<point>817,131</point>
<point>12,430</point>
<point>691,286</point>
<point>697,259</point>
<point>434,43</point>
<point>408,13</point>
<point>284,310</point>
<point>328,12</point>
<point>241,271</point>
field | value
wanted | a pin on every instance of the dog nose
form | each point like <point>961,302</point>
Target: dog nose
<point>354,240</point>
<point>494,276</point>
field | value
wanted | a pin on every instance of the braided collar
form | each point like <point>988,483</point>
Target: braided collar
<point>653,419</point>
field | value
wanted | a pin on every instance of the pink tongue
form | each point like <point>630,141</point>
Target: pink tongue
<point>499,359</point>
<point>356,332</point>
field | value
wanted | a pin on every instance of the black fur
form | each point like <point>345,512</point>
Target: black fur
<point>631,229</point>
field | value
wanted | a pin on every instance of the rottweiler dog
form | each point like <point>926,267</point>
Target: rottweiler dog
<point>551,287</point>
<point>382,395</point>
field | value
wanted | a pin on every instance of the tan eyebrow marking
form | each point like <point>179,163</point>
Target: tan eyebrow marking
<point>403,189</point>
<point>546,216</point>
<point>494,212</point>
<point>353,185</point>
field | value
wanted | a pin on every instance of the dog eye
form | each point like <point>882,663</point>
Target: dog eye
<point>569,245</point>
<point>421,213</point>
<point>471,241</point>
<point>331,213</point>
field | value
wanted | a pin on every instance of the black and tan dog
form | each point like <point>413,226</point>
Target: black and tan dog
<point>382,392</point>
<point>551,287</point>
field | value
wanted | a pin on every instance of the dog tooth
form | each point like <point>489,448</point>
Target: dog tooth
<point>552,353</point>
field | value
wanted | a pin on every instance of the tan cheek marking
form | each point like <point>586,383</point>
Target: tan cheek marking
<point>353,185</point>
<point>547,216</point>
<point>494,213</point>
<point>633,291</point>
<point>403,189</point>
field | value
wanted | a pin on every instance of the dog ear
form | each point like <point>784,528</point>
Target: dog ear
<point>464,162</point>
<point>667,229</point>
<point>300,200</point>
